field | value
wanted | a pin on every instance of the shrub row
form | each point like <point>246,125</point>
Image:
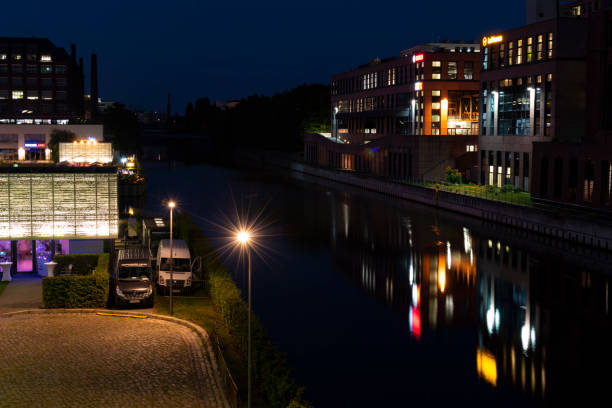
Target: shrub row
<point>82,264</point>
<point>270,370</point>
<point>80,290</point>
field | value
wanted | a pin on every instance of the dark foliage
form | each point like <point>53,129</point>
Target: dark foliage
<point>275,122</point>
<point>78,291</point>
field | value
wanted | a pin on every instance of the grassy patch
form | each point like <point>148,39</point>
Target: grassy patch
<point>3,286</point>
<point>486,192</point>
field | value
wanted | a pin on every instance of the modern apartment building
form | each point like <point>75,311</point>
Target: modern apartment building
<point>579,172</point>
<point>533,90</point>
<point>40,83</point>
<point>405,117</point>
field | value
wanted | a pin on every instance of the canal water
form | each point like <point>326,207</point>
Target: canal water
<point>379,302</point>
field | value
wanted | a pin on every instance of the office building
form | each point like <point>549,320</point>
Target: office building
<point>404,117</point>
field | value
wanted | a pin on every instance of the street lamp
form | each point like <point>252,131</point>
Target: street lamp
<point>171,205</point>
<point>243,237</point>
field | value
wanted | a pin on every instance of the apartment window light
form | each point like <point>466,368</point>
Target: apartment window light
<point>17,95</point>
<point>45,58</point>
<point>17,57</point>
<point>3,57</point>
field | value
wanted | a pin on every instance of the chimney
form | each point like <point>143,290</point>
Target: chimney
<point>94,86</point>
<point>81,82</point>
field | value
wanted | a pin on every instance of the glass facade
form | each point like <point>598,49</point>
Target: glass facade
<point>58,205</point>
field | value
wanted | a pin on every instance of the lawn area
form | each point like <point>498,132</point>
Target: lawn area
<point>3,286</point>
<point>198,309</point>
<point>486,192</point>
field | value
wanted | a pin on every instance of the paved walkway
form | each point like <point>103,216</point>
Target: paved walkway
<point>23,292</point>
<point>87,360</point>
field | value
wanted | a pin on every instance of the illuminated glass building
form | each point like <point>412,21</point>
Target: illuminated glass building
<point>405,117</point>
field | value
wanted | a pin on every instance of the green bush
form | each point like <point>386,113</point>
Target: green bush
<point>491,189</point>
<point>507,188</point>
<point>83,264</point>
<point>270,368</point>
<point>453,176</point>
<point>78,291</point>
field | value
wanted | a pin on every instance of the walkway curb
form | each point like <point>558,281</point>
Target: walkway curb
<point>202,334</point>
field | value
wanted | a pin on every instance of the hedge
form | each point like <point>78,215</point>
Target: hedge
<point>78,290</point>
<point>270,368</point>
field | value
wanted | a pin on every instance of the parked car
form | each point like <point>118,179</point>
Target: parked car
<point>181,265</point>
<point>133,279</point>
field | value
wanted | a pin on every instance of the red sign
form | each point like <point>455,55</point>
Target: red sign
<point>419,57</point>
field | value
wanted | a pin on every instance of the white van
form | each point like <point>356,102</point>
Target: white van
<point>181,270</point>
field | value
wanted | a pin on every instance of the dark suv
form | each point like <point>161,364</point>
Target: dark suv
<point>132,278</point>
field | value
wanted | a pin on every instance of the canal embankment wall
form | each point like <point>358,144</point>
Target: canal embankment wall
<point>575,228</point>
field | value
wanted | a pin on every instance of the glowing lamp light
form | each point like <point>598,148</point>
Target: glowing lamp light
<point>444,105</point>
<point>171,204</point>
<point>123,159</point>
<point>243,237</point>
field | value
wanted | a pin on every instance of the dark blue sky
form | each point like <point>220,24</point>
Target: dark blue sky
<point>199,48</point>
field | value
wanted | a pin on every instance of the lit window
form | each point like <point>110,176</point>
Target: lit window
<point>436,64</point>
<point>17,57</point>
<point>435,118</point>
<point>435,92</point>
<point>435,105</point>
<point>435,76</point>
<point>17,94</point>
<point>45,58</point>
<point>452,70</point>
<point>32,95</point>
<point>3,57</point>
<point>550,45</point>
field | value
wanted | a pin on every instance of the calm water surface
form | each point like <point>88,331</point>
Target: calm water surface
<point>383,303</point>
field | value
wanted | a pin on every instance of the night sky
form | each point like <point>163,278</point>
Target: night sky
<point>227,50</point>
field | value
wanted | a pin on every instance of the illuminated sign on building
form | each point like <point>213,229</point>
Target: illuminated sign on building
<point>58,203</point>
<point>418,86</point>
<point>418,57</point>
<point>492,39</point>
<point>34,145</point>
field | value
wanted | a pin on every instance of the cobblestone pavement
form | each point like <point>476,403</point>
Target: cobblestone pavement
<point>86,360</point>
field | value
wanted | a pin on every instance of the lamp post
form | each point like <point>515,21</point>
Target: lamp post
<point>243,239</point>
<point>171,205</point>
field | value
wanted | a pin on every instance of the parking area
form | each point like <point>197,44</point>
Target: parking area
<point>84,359</point>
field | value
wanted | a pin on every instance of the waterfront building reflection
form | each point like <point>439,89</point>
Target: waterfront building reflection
<point>514,298</point>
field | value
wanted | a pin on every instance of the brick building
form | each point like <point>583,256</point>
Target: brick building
<point>405,117</point>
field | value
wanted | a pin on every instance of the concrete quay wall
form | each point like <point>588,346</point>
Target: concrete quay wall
<point>576,229</point>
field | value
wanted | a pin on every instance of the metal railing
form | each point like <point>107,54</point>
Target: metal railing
<point>229,385</point>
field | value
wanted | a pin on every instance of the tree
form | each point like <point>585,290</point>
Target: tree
<point>59,136</point>
<point>453,176</point>
<point>121,127</point>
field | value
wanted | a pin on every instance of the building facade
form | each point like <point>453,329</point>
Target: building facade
<point>533,84</point>
<point>39,81</point>
<point>405,117</point>
<point>21,142</point>
<point>579,172</point>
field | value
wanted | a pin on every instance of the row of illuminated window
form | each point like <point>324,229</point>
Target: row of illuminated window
<point>32,82</point>
<point>32,69</point>
<point>369,81</point>
<point>46,95</point>
<point>28,57</point>
<point>532,49</point>
<point>452,70</point>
